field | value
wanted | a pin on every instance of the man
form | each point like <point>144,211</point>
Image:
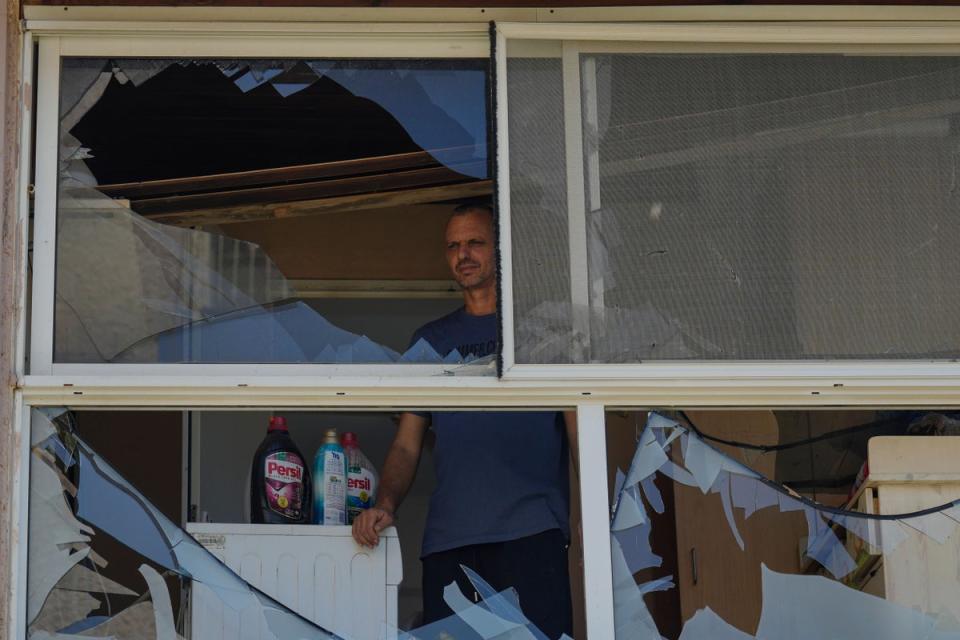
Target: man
<point>501,505</point>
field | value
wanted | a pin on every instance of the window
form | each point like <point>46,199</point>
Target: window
<point>729,203</point>
<point>237,210</point>
<point>578,207</point>
<point>756,524</point>
<point>140,523</point>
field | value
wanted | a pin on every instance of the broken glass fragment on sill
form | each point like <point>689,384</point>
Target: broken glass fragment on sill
<point>706,624</point>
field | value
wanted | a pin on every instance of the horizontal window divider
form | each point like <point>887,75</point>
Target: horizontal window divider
<point>256,44</point>
<point>278,28</point>
<point>678,13</point>
<point>946,32</point>
<point>741,370</point>
<point>37,15</point>
<point>691,391</point>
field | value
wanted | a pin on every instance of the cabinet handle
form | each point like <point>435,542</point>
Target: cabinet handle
<point>694,569</point>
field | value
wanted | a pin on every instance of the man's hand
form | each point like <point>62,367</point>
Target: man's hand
<point>368,525</point>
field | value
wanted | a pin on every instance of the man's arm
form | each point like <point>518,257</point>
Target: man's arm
<point>395,480</point>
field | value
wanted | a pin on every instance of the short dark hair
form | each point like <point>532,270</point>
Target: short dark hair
<point>470,207</point>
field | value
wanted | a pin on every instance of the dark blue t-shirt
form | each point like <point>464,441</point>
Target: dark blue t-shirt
<point>500,475</point>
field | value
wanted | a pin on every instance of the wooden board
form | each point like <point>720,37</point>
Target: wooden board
<point>404,243</point>
<point>145,447</point>
<point>468,3</point>
<point>622,430</point>
<point>728,579</point>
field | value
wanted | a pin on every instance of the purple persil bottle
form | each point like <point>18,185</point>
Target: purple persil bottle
<point>280,489</point>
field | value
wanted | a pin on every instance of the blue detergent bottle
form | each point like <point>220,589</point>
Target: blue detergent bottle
<point>330,482</point>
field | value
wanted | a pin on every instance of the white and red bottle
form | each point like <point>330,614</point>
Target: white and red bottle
<point>280,486</point>
<point>361,477</point>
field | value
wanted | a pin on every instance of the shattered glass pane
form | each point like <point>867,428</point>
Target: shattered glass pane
<point>770,206</point>
<point>105,562</point>
<point>718,551</point>
<point>175,175</point>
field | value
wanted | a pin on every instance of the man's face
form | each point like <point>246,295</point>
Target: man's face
<point>470,251</point>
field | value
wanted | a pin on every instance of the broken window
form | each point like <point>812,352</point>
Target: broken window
<point>731,206</point>
<point>263,211</point>
<point>707,544</point>
<point>138,531</point>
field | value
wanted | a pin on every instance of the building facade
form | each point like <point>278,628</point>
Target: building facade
<point>724,242</point>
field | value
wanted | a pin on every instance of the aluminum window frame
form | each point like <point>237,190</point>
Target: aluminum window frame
<point>850,380</point>
<point>590,388</point>
<point>591,441</point>
<point>57,40</point>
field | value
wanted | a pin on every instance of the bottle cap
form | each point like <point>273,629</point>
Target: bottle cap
<point>348,439</point>
<point>331,436</point>
<point>277,423</point>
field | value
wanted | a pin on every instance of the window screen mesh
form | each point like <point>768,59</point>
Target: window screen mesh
<point>739,207</point>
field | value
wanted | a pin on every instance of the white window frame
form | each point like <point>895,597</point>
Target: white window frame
<point>198,40</point>
<point>598,586</point>
<point>845,380</point>
<point>591,389</point>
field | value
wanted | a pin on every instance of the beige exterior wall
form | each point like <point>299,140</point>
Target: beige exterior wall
<point>10,261</point>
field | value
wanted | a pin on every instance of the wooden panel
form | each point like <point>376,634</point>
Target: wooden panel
<point>381,3</point>
<point>145,447</point>
<point>296,173</point>
<point>921,573</point>
<point>306,191</point>
<point>915,459</point>
<point>728,579</point>
<point>468,3</point>
<point>755,427</point>
<point>382,244</point>
<point>323,206</point>
<point>623,429</point>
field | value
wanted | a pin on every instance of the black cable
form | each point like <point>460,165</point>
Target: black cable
<point>788,445</point>
<point>779,488</point>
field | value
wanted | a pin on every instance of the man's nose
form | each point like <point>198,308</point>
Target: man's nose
<point>463,253</point>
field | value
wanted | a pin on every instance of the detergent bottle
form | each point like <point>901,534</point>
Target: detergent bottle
<point>361,478</point>
<point>280,484</point>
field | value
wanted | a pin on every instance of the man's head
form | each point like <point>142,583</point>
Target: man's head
<point>470,246</point>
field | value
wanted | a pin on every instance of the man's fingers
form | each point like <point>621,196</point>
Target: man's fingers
<point>363,530</point>
<point>383,521</point>
<point>369,524</point>
<point>370,530</point>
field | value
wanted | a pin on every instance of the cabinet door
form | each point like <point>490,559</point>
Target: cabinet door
<point>712,569</point>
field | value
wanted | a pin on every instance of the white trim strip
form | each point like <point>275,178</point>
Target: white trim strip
<point>508,348</point>
<point>79,15</point>
<point>172,372</point>
<point>179,42</point>
<point>887,390</point>
<point>595,515</point>
<point>19,509</point>
<point>45,207</point>
<point>354,30</point>
<point>27,104</point>
<point>576,200</point>
<point>735,371</point>
<point>923,33</point>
